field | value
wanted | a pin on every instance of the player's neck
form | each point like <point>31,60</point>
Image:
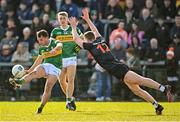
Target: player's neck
<point>64,27</point>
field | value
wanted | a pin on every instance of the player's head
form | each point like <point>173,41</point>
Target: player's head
<point>89,36</point>
<point>43,37</point>
<point>62,18</point>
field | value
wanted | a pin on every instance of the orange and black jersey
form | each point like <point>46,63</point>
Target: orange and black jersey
<point>102,54</point>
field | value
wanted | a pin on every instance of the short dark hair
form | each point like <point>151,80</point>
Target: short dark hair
<point>89,35</point>
<point>42,33</point>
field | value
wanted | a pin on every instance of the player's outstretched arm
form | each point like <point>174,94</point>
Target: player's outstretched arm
<point>76,38</point>
<point>36,63</point>
<point>89,22</point>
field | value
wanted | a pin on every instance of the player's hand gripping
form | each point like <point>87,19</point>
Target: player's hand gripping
<point>85,14</point>
<point>73,22</point>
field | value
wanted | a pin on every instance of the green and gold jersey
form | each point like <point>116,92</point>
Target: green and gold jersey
<point>56,58</point>
<point>70,48</point>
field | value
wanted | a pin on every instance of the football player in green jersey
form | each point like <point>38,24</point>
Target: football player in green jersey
<point>63,33</point>
<point>48,65</point>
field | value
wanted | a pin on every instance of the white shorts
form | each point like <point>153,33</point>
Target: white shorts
<point>69,61</point>
<point>50,69</point>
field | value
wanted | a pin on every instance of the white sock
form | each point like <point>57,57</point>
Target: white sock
<point>162,88</point>
<point>155,104</point>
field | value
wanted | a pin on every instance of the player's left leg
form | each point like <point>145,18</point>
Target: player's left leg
<point>146,96</point>
<point>133,78</point>
<point>50,82</point>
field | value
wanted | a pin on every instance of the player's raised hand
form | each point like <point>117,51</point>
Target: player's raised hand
<point>85,12</point>
<point>73,22</point>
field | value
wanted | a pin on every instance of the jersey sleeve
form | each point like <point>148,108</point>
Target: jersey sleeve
<point>87,46</point>
<point>52,35</point>
<point>79,32</point>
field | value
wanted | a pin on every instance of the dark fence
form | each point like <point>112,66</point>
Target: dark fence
<point>120,92</point>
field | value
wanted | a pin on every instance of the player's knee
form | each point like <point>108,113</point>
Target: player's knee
<point>135,90</point>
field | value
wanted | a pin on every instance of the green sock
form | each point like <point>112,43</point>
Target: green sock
<point>21,81</point>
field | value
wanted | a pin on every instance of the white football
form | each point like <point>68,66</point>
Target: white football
<point>18,71</point>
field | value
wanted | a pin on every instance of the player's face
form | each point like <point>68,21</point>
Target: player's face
<point>63,20</point>
<point>42,40</point>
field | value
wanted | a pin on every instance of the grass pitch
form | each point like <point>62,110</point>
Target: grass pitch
<point>88,111</point>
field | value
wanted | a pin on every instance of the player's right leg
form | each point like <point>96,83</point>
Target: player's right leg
<point>50,82</point>
<point>38,72</point>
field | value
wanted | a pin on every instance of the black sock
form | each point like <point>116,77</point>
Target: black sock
<point>41,106</point>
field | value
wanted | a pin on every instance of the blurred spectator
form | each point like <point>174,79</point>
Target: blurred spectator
<point>139,49</point>
<point>139,4</point>
<point>46,25</point>
<point>113,10</point>
<point>128,21</point>
<point>135,32</point>
<point>36,25</point>
<point>52,3</point>
<point>154,52</point>
<point>5,53</point>
<point>10,14</point>
<point>118,34</point>
<point>3,7</point>
<point>71,8</point>
<point>35,11</point>
<point>99,6</point>
<point>2,32</point>
<point>23,11</point>
<point>119,51</point>
<point>176,41</point>
<point>172,67</point>
<point>146,24</point>
<point>162,33</point>
<point>154,12</point>
<point>49,11</point>
<point>58,4</point>
<point>34,52</point>
<point>21,54</point>
<point>28,38</point>
<point>9,39</point>
<point>99,25</point>
<point>92,90</point>
<point>11,24</point>
<point>168,10</point>
<point>131,8</point>
<point>103,82</point>
<point>133,61</point>
<point>176,28</point>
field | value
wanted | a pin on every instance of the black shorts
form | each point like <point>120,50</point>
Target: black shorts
<point>119,71</point>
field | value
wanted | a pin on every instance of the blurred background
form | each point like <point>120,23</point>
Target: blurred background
<point>144,34</point>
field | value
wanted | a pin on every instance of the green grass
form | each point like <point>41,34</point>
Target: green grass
<point>88,111</point>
